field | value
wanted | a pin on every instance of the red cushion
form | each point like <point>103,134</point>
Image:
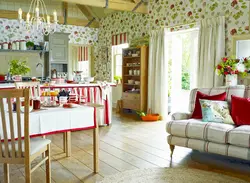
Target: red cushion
<point>197,114</point>
<point>240,110</point>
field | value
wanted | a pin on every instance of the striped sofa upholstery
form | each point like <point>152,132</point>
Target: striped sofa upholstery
<point>224,139</point>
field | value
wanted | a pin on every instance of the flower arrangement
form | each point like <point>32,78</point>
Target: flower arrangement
<point>231,65</point>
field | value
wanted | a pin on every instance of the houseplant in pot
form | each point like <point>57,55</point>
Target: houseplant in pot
<point>231,68</point>
<point>118,79</point>
<point>18,68</point>
<point>30,45</point>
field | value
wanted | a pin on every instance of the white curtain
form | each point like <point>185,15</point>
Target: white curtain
<point>157,74</point>
<point>211,50</point>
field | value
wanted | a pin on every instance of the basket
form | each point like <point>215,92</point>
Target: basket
<point>150,117</point>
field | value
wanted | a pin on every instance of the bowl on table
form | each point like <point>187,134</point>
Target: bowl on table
<point>89,79</point>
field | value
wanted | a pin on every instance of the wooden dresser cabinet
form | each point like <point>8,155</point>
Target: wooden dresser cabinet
<point>135,78</point>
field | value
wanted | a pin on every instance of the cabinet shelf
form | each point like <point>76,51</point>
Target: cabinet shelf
<point>127,75</point>
<point>132,57</point>
<point>131,84</point>
<point>132,66</point>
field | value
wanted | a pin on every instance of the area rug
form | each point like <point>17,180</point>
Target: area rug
<point>169,175</point>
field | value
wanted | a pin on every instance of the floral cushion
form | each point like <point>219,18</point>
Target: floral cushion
<point>215,111</point>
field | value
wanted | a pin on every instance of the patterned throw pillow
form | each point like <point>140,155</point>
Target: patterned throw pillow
<point>215,111</point>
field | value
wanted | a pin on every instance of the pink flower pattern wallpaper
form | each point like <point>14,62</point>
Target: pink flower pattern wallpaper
<point>12,30</point>
<point>169,13</point>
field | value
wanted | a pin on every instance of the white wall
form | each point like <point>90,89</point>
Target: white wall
<point>31,58</point>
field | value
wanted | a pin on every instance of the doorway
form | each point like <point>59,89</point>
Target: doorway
<point>182,57</point>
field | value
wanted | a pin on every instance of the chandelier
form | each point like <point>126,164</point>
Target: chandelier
<point>38,19</point>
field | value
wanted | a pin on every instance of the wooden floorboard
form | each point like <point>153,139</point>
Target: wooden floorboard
<point>125,145</point>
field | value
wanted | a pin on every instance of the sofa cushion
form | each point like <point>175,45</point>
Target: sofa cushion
<point>240,136</point>
<point>197,114</point>
<point>238,90</point>
<point>240,108</point>
<point>196,129</point>
<point>215,111</point>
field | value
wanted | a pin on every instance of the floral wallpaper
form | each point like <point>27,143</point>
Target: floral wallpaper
<point>175,12</point>
<point>12,30</point>
<point>170,13</point>
<point>135,24</point>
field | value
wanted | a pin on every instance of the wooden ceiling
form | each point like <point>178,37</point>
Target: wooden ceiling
<point>89,12</point>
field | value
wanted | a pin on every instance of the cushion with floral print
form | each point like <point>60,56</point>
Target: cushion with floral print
<point>215,111</point>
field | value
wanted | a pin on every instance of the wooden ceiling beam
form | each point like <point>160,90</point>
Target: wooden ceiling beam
<point>70,21</point>
<point>113,4</point>
<point>65,12</point>
<point>89,14</point>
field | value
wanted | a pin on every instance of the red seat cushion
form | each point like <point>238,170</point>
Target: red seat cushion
<point>197,114</point>
<point>240,110</point>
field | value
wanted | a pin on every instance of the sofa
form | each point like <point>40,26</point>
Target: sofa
<point>219,138</point>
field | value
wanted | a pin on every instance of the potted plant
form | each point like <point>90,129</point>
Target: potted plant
<point>230,68</point>
<point>30,45</point>
<point>18,68</point>
<point>118,79</point>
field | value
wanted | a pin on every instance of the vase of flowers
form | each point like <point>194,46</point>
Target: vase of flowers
<point>231,68</point>
<point>17,69</point>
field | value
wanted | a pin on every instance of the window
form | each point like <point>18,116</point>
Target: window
<point>117,59</point>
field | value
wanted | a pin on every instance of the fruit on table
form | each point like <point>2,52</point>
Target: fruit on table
<point>68,105</point>
<point>50,93</point>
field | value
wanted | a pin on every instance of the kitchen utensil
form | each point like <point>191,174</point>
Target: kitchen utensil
<point>135,72</point>
<point>137,82</point>
<point>138,72</point>
<point>130,72</point>
<point>131,81</point>
<point>36,104</point>
<point>63,99</point>
<point>89,79</point>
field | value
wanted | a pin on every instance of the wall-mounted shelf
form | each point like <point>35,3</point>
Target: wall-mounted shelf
<point>22,51</point>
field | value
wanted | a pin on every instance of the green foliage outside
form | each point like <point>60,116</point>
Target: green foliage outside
<point>18,67</point>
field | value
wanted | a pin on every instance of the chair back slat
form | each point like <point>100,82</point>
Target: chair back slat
<point>33,86</point>
<point>19,127</point>
<point>11,125</point>
<point>5,134</point>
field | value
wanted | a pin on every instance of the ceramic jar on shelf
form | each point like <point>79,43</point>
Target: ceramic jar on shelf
<point>23,45</point>
<point>5,46</point>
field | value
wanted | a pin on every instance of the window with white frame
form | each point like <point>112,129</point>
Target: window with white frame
<point>117,59</point>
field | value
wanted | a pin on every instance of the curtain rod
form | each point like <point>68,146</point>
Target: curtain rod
<point>179,25</point>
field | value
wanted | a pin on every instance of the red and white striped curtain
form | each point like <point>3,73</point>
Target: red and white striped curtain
<point>119,39</point>
<point>83,53</point>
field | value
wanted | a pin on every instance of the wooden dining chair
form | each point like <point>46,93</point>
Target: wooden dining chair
<point>33,86</point>
<point>16,145</point>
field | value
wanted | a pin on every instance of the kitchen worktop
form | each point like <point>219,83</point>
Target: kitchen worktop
<point>66,85</point>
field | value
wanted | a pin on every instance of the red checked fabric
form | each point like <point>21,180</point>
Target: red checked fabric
<point>197,114</point>
<point>240,110</point>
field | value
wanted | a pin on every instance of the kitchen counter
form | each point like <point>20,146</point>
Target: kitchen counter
<point>66,85</point>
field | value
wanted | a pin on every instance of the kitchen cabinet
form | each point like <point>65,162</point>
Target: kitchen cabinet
<point>57,58</point>
<point>135,78</point>
<point>58,49</point>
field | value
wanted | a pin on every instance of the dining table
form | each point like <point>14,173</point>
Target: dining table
<point>52,120</point>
